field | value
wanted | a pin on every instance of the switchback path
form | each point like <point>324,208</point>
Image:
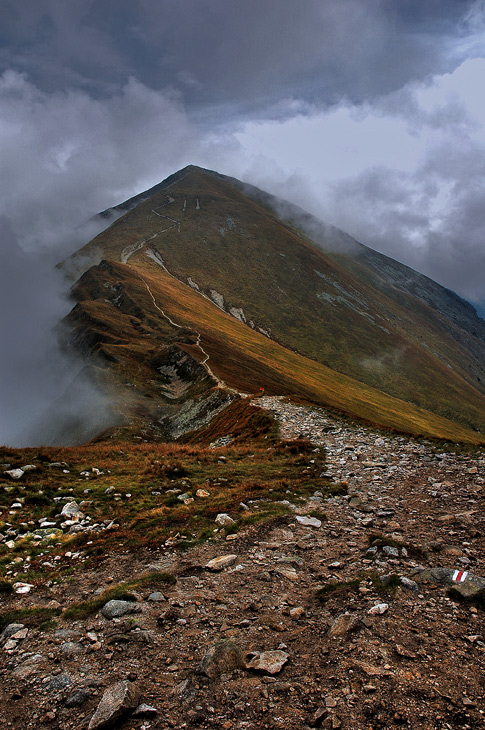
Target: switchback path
<point>205,355</point>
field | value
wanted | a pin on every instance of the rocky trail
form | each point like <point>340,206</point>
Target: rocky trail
<point>361,611</point>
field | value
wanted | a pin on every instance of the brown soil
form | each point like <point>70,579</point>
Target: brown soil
<point>417,665</point>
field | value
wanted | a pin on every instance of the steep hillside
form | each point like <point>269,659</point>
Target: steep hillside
<point>254,293</point>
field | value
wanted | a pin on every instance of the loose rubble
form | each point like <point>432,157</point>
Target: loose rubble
<point>353,611</point>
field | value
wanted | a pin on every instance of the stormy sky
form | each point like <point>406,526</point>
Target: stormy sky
<point>368,113</point>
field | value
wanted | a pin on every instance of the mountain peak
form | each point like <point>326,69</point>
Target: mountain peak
<point>289,302</point>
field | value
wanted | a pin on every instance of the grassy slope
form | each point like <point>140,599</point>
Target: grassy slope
<point>246,360</point>
<point>238,248</point>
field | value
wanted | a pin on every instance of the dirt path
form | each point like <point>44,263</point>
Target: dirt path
<point>367,657</point>
<point>205,355</point>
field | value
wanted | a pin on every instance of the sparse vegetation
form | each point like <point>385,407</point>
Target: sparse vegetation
<point>138,487</point>
<point>120,592</point>
<point>379,539</point>
<point>337,589</point>
<point>32,616</point>
<point>5,587</point>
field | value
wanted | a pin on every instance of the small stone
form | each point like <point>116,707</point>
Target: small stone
<point>223,520</point>
<point>344,624</point>
<point>330,701</point>
<point>218,564</point>
<point>14,473</point>
<point>145,710</point>
<point>62,681</point>
<point>378,609</point>
<point>287,571</point>
<point>22,587</point>
<point>72,510</point>
<point>10,630</point>
<point>402,651</point>
<point>221,658</point>
<point>77,698</point>
<point>297,612</point>
<point>409,584</point>
<point>308,521</point>
<point>156,596</point>
<point>70,648</point>
<point>202,494</point>
<point>117,701</point>
<point>318,716</point>
<point>115,609</point>
<point>390,551</point>
<point>269,662</point>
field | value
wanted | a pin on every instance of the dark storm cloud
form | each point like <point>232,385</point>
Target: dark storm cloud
<point>244,55</point>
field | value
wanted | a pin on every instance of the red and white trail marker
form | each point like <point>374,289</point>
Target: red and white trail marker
<point>459,576</point>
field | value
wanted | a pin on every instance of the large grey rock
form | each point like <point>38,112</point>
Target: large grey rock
<point>221,658</point>
<point>115,609</point>
<point>117,701</point>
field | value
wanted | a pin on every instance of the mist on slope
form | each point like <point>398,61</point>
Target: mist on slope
<point>66,156</point>
<point>35,371</point>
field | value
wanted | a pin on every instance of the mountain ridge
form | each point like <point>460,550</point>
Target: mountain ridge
<point>355,311</point>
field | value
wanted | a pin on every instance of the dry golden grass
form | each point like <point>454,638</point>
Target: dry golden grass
<point>246,360</point>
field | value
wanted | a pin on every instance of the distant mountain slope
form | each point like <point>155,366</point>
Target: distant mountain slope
<point>306,287</point>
